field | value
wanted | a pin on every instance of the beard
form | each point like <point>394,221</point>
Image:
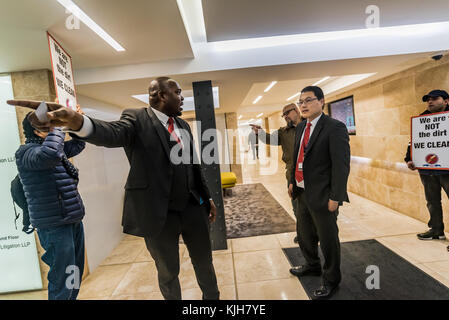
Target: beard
<point>290,124</point>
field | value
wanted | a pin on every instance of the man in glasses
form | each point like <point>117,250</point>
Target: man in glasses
<point>285,137</point>
<point>320,177</point>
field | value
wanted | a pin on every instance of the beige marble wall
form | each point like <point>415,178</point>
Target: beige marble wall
<point>34,85</point>
<point>382,115</point>
<point>232,124</point>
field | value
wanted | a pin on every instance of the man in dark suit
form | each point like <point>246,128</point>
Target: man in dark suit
<point>164,197</point>
<point>318,181</point>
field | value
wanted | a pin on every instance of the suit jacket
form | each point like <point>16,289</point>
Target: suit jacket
<point>147,189</point>
<point>326,163</point>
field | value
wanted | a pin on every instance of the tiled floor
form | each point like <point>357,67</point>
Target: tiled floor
<point>255,267</point>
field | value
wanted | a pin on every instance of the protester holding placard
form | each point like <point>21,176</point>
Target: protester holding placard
<point>433,180</point>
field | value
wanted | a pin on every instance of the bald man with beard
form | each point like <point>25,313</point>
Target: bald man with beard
<point>163,198</point>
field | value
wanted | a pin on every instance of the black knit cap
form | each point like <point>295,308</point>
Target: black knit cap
<point>28,129</point>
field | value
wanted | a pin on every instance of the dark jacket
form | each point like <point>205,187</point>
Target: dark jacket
<point>150,179</point>
<point>51,193</point>
<point>326,163</point>
<point>284,137</point>
<point>424,171</point>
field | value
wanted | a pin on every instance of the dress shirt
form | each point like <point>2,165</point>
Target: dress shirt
<point>312,127</point>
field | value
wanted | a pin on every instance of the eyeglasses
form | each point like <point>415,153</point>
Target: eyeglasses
<point>307,101</point>
<point>287,112</point>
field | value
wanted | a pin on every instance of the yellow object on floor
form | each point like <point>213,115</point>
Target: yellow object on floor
<point>228,179</point>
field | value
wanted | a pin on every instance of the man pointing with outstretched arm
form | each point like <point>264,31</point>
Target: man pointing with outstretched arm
<point>163,198</point>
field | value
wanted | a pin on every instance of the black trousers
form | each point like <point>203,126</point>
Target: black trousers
<point>322,226</point>
<point>193,224</point>
<point>432,189</point>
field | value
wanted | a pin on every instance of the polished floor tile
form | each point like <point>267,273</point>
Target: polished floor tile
<point>140,278</point>
<point>139,296</point>
<point>418,251</point>
<point>261,265</point>
<point>126,252</point>
<point>266,242</point>
<point>283,289</point>
<point>286,239</point>
<point>226,293</point>
<point>103,281</point>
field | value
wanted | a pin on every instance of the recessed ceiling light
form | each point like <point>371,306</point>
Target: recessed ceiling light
<point>77,12</point>
<point>259,115</point>
<point>240,117</point>
<point>285,40</point>
<point>294,96</point>
<point>257,99</point>
<point>270,86</point>
<point>320,81</point>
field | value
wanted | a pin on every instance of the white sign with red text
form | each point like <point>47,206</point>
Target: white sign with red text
<point>61,63</point>
<point>430,141</point>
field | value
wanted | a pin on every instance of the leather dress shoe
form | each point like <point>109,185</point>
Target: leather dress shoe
<point>326,291</point>
<point>305,270</point>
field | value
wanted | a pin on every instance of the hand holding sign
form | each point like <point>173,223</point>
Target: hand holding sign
<point>58,115</point>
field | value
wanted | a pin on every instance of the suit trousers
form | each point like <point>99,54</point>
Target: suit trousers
<point>193,224</point>
<point>313,226</point>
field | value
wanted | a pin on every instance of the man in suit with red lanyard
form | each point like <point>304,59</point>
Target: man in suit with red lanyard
<point>319,182</point>
<point>164,197</point>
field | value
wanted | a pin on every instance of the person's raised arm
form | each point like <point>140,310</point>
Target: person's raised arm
<point>108,134</point>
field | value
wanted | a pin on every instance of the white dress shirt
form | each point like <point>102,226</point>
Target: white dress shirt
<point>88,127</point>
<point>312,127</point>
<point>163,118</point>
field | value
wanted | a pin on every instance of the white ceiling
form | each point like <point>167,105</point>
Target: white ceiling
<point>239,87</point>
<point>241,19</point>
<point>148,30</point>
<point>168,37</point>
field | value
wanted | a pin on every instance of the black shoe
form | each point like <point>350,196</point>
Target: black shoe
<point>326,291</point>
<point>295,240</point>
<point>447,248</point>
<point>431,235</point>
<point>305,270</point>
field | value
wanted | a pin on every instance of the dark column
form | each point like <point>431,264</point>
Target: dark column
<point>205,114</point>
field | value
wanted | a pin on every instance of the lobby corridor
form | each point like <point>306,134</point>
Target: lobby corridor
<point>256,267</point>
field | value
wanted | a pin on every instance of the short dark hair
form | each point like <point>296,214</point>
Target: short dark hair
<point>28,129</point>
<point>161,85</point>
<point>316,90</point>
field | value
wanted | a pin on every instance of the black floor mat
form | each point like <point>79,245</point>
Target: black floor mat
<point>398,278</point>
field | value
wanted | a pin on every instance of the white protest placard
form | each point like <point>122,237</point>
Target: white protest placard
<point>61,64</point>
<point>430,141</point>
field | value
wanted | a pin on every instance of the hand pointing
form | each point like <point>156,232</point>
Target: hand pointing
<point>58,115</point>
